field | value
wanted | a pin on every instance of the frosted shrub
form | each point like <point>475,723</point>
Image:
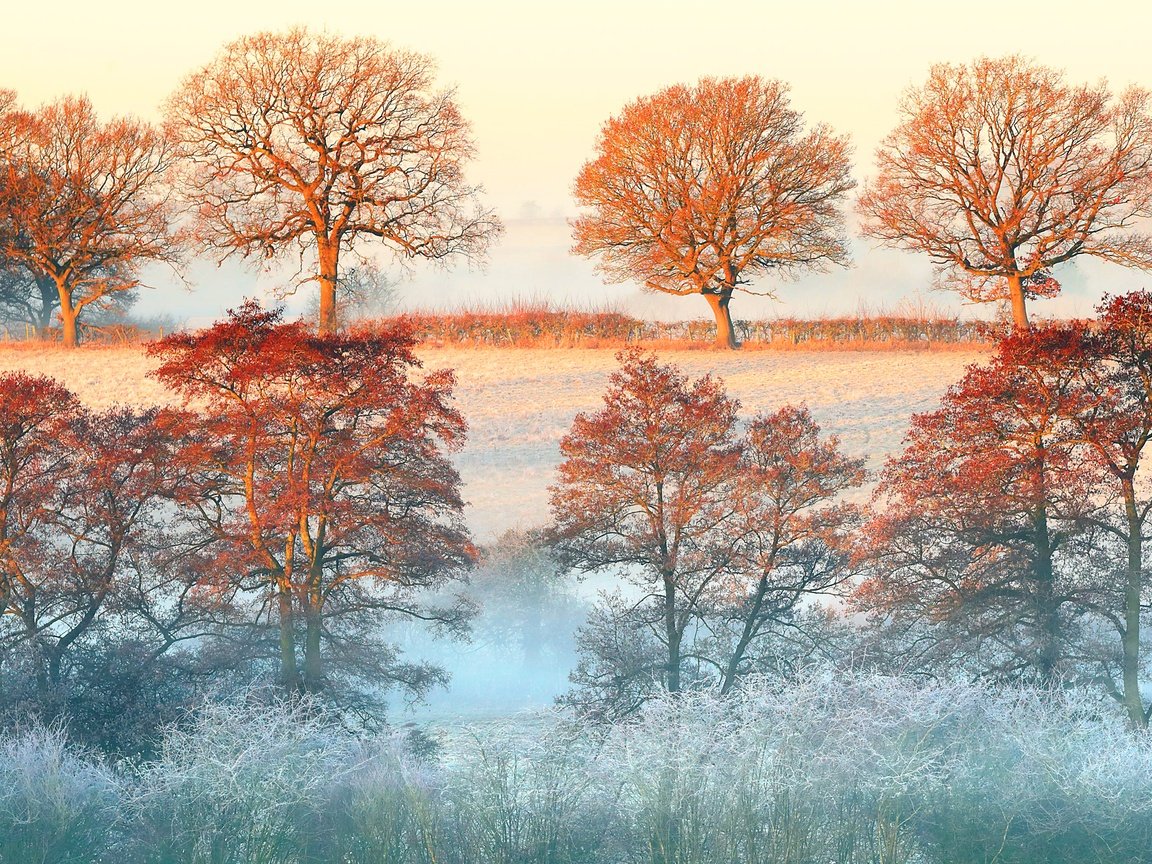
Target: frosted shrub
<point>877,770</point>
<point>386,808</point>
<point>246,783</point>
<point>518,792</point>
<point>827,770</point>
<point>55,807</point>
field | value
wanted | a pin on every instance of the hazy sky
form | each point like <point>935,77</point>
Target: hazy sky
<point>538,79</point>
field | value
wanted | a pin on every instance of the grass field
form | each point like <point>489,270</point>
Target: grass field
<point>520,402</point>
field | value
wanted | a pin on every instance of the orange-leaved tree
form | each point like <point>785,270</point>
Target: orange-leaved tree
<point>698,190</point>
<point>319,477</point>
<point>313,142</point>
<point>84,204</point>
<point>1000,170</point>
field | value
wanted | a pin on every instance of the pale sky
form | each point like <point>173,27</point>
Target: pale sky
<point>537,80</point>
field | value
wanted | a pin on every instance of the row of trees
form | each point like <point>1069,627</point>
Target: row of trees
<point>302,498</point>
<point>311,144</point>
<point>998,171</point>
<point>1007,540</point>
<point>285,142</point>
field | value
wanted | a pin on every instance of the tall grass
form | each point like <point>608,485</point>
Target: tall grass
<point>55,805</point>
<point>541,324</point>
<point>843,770</point>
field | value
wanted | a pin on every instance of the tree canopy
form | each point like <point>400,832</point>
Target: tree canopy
<point>83,204</point>
<point>698,190</point>
<point>999,170</point>
<point>312,142</point>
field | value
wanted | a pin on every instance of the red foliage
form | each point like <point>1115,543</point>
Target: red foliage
<point>319,472</point>
<point>722,532</point>
<point>79,514</point>
<point>985,505</point>
<point>37,416</point>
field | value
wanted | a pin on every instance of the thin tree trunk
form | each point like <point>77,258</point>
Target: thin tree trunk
<point>289,674</point>
<point>328,254</point>
<point>1134,583</point>
<point>1047,610</point>
<point>672,633</point>
<point>725,334</point>
<point>1016,295</point>
<point>69,316</point>
<point>749,632</point>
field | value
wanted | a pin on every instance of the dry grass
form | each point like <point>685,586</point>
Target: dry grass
<point>539,324</point>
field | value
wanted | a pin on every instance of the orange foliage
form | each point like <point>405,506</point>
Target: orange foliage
<point>303,141</point>
<point>1000,170</point>
<point>695,190</point>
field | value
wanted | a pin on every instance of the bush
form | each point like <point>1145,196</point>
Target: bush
<point>56,806</point>
<point>843,770</point>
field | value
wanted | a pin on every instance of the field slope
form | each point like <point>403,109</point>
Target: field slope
<point>519,402</point>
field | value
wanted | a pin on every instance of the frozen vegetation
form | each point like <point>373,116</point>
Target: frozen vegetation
<point>829,769</point>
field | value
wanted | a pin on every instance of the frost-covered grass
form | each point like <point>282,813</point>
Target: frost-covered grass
<point>856,770</point>
<point>55,805</point>
<point>520,402</point>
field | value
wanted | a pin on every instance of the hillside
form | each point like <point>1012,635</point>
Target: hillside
<point>520,402</point>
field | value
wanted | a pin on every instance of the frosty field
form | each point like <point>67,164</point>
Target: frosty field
<point>520,402</point>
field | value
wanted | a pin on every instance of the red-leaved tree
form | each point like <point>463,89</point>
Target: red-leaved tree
<point>320,475</point>
<point>722,536</point>
<point>792,530</point>
<point>985,512</point>
<point>81,514</point>
<point>646,486</point>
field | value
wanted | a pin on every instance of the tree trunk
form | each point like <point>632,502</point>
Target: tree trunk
<point>289,675</point>
<point>313,662</point>
<point>725,335</point>
<point>750,631</point>
<point>672,633</point>
<point>1047,609</point>
<point>1134,583</point>
<point>1016,295</point>
<point>328,253</point>
<point>49,296</point>
<point>69,316</point>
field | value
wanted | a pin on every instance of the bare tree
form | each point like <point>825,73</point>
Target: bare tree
<point>1000,170</point>
<point>314,142</point>
<point>83,203</point>
<point>696,190</point>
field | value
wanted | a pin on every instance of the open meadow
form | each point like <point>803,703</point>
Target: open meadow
<point>519,402</point>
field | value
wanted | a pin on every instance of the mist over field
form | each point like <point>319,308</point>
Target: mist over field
<point>532,262</point>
